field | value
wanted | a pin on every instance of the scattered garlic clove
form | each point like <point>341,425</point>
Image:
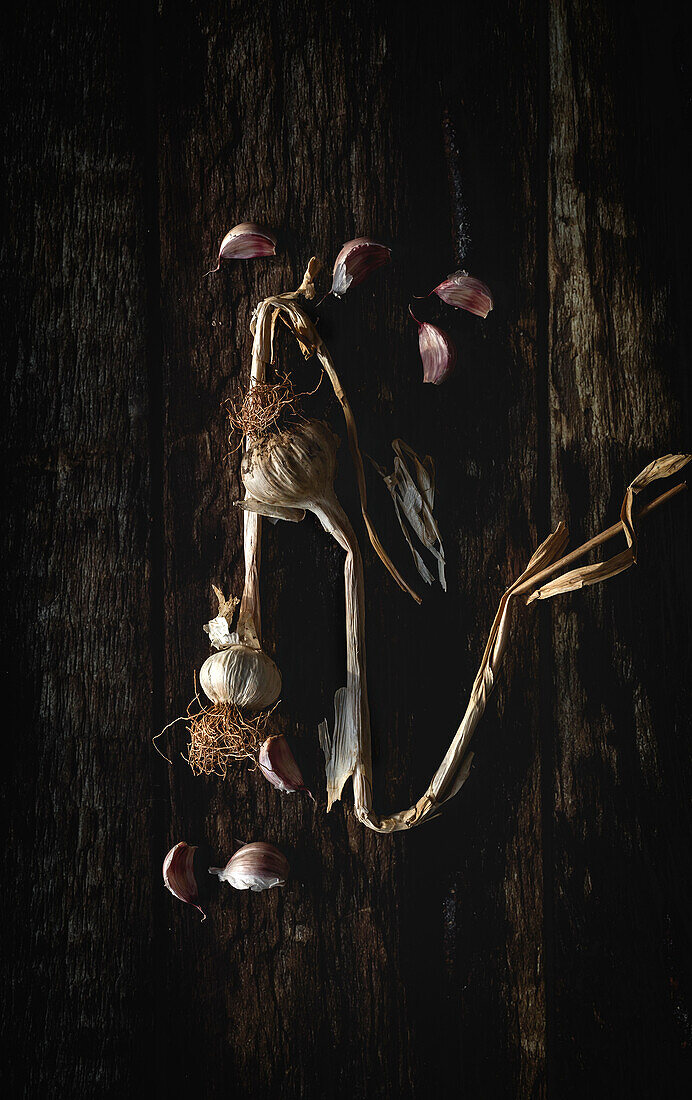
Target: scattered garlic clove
<point>279,766</point>
<point>355,262</point>
<point>462,291</point>
<point>257,866</point>
<point>437,351</point>
<point>246,241</point>
<point>179,875</point>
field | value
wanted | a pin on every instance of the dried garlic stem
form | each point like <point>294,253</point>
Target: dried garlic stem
<point>249,621</point>
<point>305,332</point>
<point>597,540</point>
<point>327,362</point>
<point>347,750</point>
<point>454,769</point>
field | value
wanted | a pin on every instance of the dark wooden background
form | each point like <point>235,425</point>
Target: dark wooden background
<point>536,940</point>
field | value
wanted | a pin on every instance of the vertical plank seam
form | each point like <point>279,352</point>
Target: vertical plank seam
<point>543,512</point>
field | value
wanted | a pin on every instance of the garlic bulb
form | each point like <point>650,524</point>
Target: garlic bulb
<point>242,675</point>
<point>257,866</point>
<point>295,467</point>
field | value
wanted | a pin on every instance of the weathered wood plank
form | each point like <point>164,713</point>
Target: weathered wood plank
<point>389,966</point>
<point>492,509</point>
<point>327,127</point>
<point>78,886</point>
<point>619,397</point>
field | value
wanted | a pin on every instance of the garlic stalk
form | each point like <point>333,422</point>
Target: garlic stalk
<point>295,469</point>
<point>454,769</point>
<point>263,326</point>
<point>286,474</point>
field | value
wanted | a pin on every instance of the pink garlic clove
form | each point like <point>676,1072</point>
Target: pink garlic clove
<point>355,262</point>
<point>246,241</point>
<point>437,351</point>
<point>462,291</point>
<point>279,766</point>
<point>257,866</point>
<point>179,875</point>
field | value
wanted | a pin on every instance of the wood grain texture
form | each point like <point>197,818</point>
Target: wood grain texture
<point>619,397</point>
<point>534,941</point>
<point>77,685</point>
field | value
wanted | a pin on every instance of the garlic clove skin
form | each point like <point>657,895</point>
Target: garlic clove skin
<point>292,468</point>
<point>257,866</point>
<point>241,675</point>
<point>179,875</point>
<point>279,766</point>
<point>462,291</point>
<point>246,241</point>
<point>355,262</point>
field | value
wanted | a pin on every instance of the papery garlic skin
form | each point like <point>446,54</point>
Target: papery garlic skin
<point>246,241</point>
<point>355,262</point>
<point>293,468</point>
<point>179,875</point>
<point>257,866</point>
<point>241,675</point>
<point>462,291</point>
<point>279,767</point>
<point>437,352</point>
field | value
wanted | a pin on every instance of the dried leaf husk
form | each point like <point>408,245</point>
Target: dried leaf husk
<point>602,571</point>
<point>414,499</point>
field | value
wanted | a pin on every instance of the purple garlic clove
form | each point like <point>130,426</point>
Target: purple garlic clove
<point>279,766</point>
<point>246,241</point>
<point>462,291</point>
<point>437,351</point>
<point>179,875</point>
<point>355,262</point>
<point>257,866</point>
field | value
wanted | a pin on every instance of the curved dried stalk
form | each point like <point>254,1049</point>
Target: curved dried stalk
<point>311,343</point>
<point>348,749</point>
<point>454,769</point>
